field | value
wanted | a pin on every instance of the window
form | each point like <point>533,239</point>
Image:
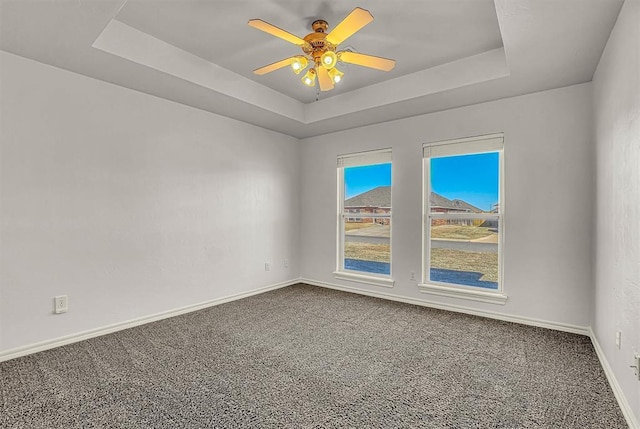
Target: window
<point>364,217</point>
<point>463,226</point>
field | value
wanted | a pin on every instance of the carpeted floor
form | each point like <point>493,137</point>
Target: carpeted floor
<point>307,357</point>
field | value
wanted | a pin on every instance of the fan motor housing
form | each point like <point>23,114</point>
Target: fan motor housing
<point>316,40</point>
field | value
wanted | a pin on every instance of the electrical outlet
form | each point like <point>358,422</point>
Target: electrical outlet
<point>60,304</point>
<point>618,339</point>
<point>267,266</point>
<point>412,276</point>
<point>286,263</point>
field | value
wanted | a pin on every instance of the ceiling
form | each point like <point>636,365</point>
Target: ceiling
<point>448,53</point>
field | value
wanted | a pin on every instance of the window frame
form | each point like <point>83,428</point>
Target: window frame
<point>467,292</point>
<point>351,275</point>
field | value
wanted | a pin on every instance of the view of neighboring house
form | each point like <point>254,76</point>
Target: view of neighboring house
<point>378,200</point>
<point>440,204</point>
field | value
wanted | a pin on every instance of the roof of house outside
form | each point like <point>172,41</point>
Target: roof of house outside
<point>377,197</point>
<point>381,197</point>
<point>459,205</point>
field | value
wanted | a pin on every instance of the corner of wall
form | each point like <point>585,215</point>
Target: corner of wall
<point>616,218</point>
<point>593,203</point>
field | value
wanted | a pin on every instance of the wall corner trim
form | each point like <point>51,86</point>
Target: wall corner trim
<point>564,327</point>
<point>92,333</point>
<point>631,419</point>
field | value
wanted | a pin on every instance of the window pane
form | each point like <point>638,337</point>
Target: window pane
<point>367,187</point>
<point>464,183</point>
<point>464,252</point>
<point>367,190</point>
<point>367,247</point>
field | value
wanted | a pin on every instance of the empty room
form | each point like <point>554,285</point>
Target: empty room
<point>332,214</point>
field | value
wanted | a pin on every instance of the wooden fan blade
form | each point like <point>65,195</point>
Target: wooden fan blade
<point>275,31</point>
<point>357,19</point>
<point>325,81</point>
<point>378,63</point>
<point>273,66</point>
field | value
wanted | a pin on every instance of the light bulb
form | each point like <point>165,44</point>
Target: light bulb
<point>335,75</point>
<point>298,63</point>
<point>329,60</point>
<point>309,79</point>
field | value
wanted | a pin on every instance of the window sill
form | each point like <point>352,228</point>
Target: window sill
<point>362,278</point>
<point>462,293</point>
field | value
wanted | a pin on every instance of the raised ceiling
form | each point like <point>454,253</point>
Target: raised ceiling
<point>202,53</point>
<point>432,34</point>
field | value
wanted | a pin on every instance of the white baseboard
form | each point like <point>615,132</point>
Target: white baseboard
<point>85,335</point>
<point>565,327</point>
<point>587,331</point>
<point>632,421</point>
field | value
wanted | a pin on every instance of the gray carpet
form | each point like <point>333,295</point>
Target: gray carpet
<point>307,357</point>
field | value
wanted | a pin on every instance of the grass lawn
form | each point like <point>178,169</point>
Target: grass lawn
<point>485,263</point>
<point>460,232</point>
<point>350,226</point>
<point>367,251</point>
<point>461,260</point>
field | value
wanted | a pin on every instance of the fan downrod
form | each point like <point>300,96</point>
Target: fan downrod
<point>320,26</point>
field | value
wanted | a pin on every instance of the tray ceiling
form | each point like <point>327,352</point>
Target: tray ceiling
<point>202,53</point>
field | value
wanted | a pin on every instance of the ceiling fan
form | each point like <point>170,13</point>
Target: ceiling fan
<point>320,49</point>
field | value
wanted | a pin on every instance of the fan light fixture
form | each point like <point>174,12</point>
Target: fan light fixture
<point>299,63</point>
<point>320,50</point>
<point>329,60</point>
<point>335,75</point>
<point>309,79</point>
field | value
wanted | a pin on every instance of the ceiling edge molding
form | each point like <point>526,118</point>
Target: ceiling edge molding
<point>467,71</point>
<point>137,46</point>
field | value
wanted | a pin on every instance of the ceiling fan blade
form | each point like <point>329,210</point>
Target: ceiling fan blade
<point>275,31</point>
<point>378,63</point>
<point>357,19</point>
<point>273,66</point>
<point>325,81</point>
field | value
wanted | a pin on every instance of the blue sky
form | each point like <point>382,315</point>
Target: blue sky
<point>362,179</point>
<point>471,178</point>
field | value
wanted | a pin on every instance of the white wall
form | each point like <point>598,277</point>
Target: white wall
<point>134,205</point>
<point>617,245</point>
<point>131,204</point>
<point>548,169</point>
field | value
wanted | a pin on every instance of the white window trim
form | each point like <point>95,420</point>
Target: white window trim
<point>341,273</point>
<point>356,276</point>
<point>486,143</point>
<point>463,292</point>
